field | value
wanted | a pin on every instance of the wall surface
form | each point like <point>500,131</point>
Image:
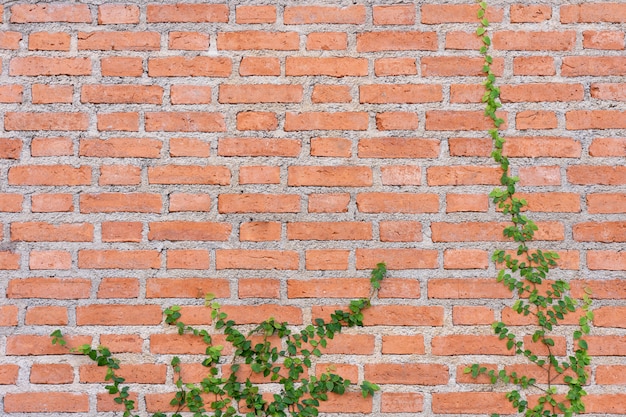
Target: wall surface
<point>272,154</point>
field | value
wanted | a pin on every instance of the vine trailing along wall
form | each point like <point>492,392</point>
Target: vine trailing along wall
<point>273,154</point>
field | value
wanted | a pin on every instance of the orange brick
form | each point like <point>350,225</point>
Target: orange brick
<point>253,65</point>
<point>298,15</point>
<point>326,41</point>
<point>118,288</point>
<point>118,14</point>
<point>189,202</point>
<point>327,259</point>
<point>394,66</point>
<point>255,14</point>
<point>252,120</point>
<point>50,259</point>
<point>329,203</point>
<point>260,231</point>
<point>49,41</point>
<point>188,41</point>
<point>189,147</point>
<point>187,259</point>
<point>339,147</point>
<point>187,13</point>
<point>46,316</point>
<point>259,175</point>
<point>400,231</point>
<point>121,231</point>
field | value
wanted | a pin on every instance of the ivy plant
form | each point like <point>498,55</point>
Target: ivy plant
<point>287,364</point>
<point>525,271</point>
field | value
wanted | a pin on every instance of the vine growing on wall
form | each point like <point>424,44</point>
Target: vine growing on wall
<point>288,364</point>
<point>526,271</point>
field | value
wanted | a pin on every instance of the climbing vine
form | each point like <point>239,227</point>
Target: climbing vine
<point>526,272</point>
<point>287,364</point>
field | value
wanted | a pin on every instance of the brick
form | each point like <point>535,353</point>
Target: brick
<point>463,175</point>
<point>404,315</point>
<point>255,14</point>
<point>118,259</point>
<point>328,288</point>
<point>120,148</point>
<point>457,66</point>
<point>396,41</point>
<point>329,231</point>
<point>258,40</point>
<point>186,287</point>
<point>259,65</point>
<point>11,93</point>
<point>50,288</point>
<point>328,66</point>
<point>119,41</point>
<point>327,259</point>
<point>466,203</point>
<point>49,41</point>
<point>397,121</point>
<point>258,147</point>
<point>189,230</point>
<point>259,231</point>
<point>120,202</point>
<point>339,147</point>
<point>532,13</point>
<point>11,203</point>
<point>259,175</point>
<point>602,289</point>
<point>189,174</point>
<point>466,93</point>
<point>471,402</point>
<point>121,67</point>
<point>534,65</point>
<point>49,259</point>
<point>403,344</point>
<point>603,40</point>
<point>188,41</point>
<point>119,288</point>
<point>326,93</point>
<point>407,373</point>
<point>8,318</point>
<point>461,40</point>
<point>328,203</point>
<point>542,146</point>
<point>397,202</point>
<point>55,12</point>
<point>349,372</point>
<point>47,203</point>
<point>256,259</point>
<point>452,345</point>
<point>400,231</point>
<point>400,93</point>
<point>119,175</point>
<point>47,232</point>
<point>606,232</point>
<point>606,260</point>
<point>189,202</point>
<point>185,122</point>
<point>576,66</point>
<point>126,121</point>
<point>106,402</point>
<point>465,259</point>
<point>199,66</point>
<point>401,402</point>
<point>608,91</point>
<point>609,316</point>
<point>394,66</point>
<point>459,13</point>
<point>28,344</point>
<point>541,92</point>
<point>397,259</point>
<point>259,288</point>
<point>326,121</point>
<point>118,314</point>
<point>609,345</point>
<point>177,344</point>
<point>258,203</point>
<point>259,93</point>
<point>540,175</point>
<point>606,203</point>
<point>190,94</point>
<point>9,374</point>
<point>51,373</point>
<point>121,94</point>
<point>396,14</point>
<point>327,41</point>
<point>46,121</point>
<point>466,288</point>
<point>143,373</point>
<point>303,15</point>
<point>595,174</point>
<point>610,375</point>
<point>46,402</point>
<point>401,175</point>
<point>244,314</point>
<point>447,120</point>
<point>252,120</point>
<point>472,315</point>
<point>121,231</point>
<point>180,147</point>
<point>187,13</point>
<point>536,119</point>
<point>534,41</point>
<point>48,94</point>
<point>118,14</point>
<point>330,176</point>
<point>489,231</point>
<point>593,13</point>
<point>394,147</point>
<point>10,40</point>
<point>49,175</point>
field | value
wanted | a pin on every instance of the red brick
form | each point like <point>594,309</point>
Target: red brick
<point>400,93</point>
<point>258,40</point>
<point>51,288</point>
<point>547,146</point>
<point>401,402</point>
<point>189,147</point>
<point>187,13</point>
<point>11,93</point>
<point>606,232</point>
<point>541,92</point>
<point>536,119</point>
<point>10,40</point>
<point>466,93</point>
<point>180,66</point>
<point>121,93</point>
<point>46,203</point>
<point>397,259</point>
<point>397,203</point>
<point>397,121</point>
<point>118,314</point>
<point>10,148</point>
<point>534,41</point>
<point>457,66</point>
<point>446,120</point>
<point>326,93</point>
<point>326,259</point>
<point>190,94</point>
<point>189,202</point>
<point>119,41</point>
<point>466,202</point>
<point>46,121</point>
<point>593,13</point>
<point>606,203</point>
<point>47,232</point>
<point>258,65</point>
<point>46,402</point>
<point>186,287</point>
<point>51,373</point>
<point>116,202</point>
<point>472,315</point>
<point>258,147</point>
<point>259,288</point>
<point>256,259</point>
<point>49,259</point>
<point>253,120</point>
<point>601,289</point>
<point>255,14</point>
<point>49,175</point>
<point>326,41</point>
<point>28,344</point>
<point>606,260</point>
<point>329,231</point>
<point>259,93</point>
<point>610,345</point>
<point>326,121</point>
<point>127,121</point>
<point>395,14</point>
<point>340,147</point>
<point>328,288</point>
<point>407,373</point>
<point>121,67</point>
<point>11,203</point>
<point>401,175</point>
<point>533,13</point>
<point>258,203</point>
<point>118,14</point>
<point>404,315</point>
<point>185,122</point>
<point>176,344</point>
<point>8,317</point>
<point>459,13</point>
<point>466,288</point>
<point>540,175</point>
<point>330,176</point>
<point>471,402</point>
<point>328,203</point>
<point>49,41</point>
<point>463,175</point>
<point>396,41</point>
<point>189,230</point>
<point>120,148</point>
<point>302,15</point>
<point>259,175</point>
<point>119,175</point>
<point>118,288</point>
<point>534,65</point>
<point>608,91</point>
<point>244,314</point>
<point>395,147</point>
<point>603,39</point>
<point>189,174</point>
<point>451,345</point>
<point>328,66</point>
<point>596,174</point>
<point>9,374</point>
<point>48,94</point>
<point>465,259</point>
<point>122,231</point>
<point>394,66</point>
<point>144,373</point>
<point>489,231</point>
<point>461,40</point>
<point>403,344</point>
<point>576,66</point>
<point>188,41</point>
<point>611,375</point>
<point>400,231</point>
<point>259,231</point>
<point>56,12</point>
<point>119,259</point>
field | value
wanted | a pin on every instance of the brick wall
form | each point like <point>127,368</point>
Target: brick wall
<point>272,155</point>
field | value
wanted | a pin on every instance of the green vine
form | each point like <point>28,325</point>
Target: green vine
<point>287,364</point>
<point>526,273</point>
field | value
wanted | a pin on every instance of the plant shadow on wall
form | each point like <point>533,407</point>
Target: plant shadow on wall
<point>284,356</point>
